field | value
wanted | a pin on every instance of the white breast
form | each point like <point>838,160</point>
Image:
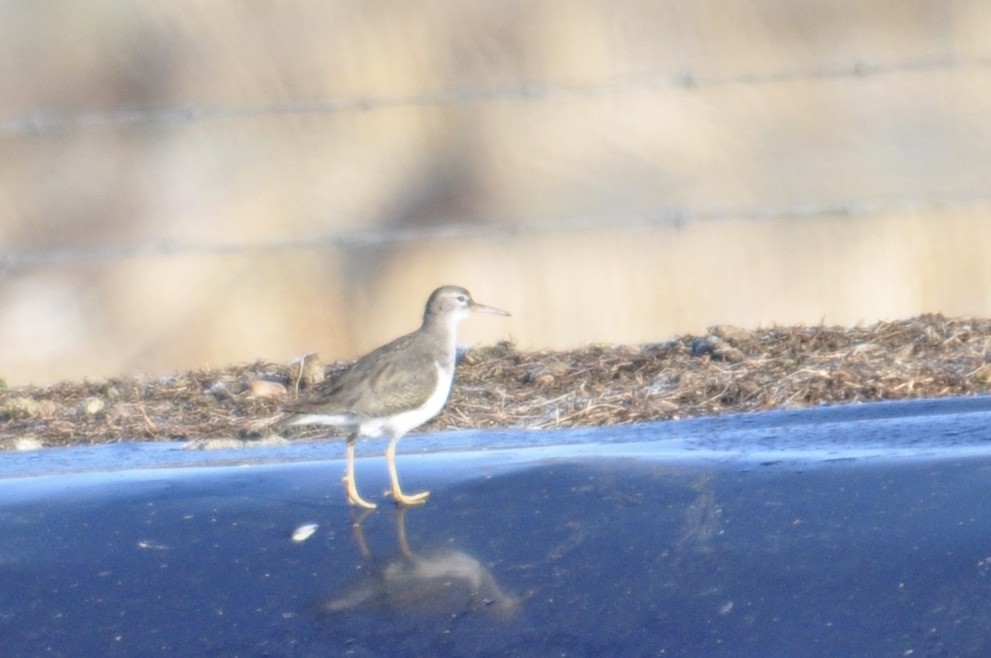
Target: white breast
<point>404,422</point>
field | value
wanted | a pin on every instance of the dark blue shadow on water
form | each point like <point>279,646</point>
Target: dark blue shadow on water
<point>656,544</point>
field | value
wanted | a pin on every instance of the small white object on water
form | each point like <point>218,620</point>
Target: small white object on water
<point>304,532</point>
<point>27,443</point>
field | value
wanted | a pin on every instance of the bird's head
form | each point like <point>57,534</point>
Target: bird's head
<point>453,304</point>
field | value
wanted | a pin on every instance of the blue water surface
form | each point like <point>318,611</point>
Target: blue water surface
<point>853,530</point>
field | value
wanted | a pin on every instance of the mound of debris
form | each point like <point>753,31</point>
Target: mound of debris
<point>727,370</point>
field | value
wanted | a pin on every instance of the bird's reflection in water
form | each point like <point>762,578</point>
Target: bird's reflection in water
<point>445,582</point>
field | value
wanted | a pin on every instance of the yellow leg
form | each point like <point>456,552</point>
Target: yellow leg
<point>352,490</point>
<point>397,493</point>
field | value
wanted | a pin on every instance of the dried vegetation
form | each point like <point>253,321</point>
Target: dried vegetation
<point>726,370</point>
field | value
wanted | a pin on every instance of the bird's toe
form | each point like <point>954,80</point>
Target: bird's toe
<point>411,499</point>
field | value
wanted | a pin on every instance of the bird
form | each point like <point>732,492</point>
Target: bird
<point>393,389</point>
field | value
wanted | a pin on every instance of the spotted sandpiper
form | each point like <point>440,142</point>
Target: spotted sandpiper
<point>395,388</point>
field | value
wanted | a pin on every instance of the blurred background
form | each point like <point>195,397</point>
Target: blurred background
<point>188,184</point>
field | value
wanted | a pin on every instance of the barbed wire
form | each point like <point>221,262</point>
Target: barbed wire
<point>47,123</point>
<point>15,260</point>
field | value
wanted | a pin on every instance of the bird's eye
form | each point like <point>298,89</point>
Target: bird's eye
<point>462,298</point>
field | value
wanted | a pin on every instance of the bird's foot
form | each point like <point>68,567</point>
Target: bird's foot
<point>409,500</point>
<point>354,498</point>
<point>361,502</point>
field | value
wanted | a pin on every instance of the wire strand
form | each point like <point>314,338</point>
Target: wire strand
<point>48,123</point>
<point>14,260</point>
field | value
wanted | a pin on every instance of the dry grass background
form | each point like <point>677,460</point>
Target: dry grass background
<point>188,185</point>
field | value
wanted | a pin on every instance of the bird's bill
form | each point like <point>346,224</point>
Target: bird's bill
<point>482,308</point>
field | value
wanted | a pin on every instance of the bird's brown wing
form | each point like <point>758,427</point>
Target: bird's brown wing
<point>381,383</point>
